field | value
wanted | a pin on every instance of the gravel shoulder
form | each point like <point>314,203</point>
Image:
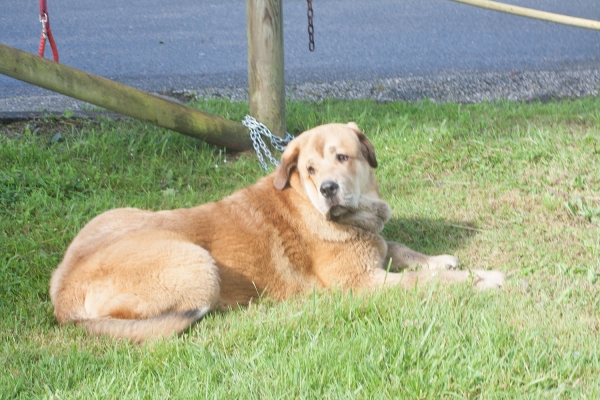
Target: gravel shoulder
<point>461,87</point>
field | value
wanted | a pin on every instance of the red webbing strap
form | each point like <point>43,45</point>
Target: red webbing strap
<point>46,32</point>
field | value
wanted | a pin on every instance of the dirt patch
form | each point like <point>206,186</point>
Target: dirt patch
<point>41,127</point>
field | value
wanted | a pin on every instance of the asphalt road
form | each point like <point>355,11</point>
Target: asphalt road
<point>156,45</point>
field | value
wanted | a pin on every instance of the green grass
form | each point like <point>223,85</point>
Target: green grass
<point>506,185</point>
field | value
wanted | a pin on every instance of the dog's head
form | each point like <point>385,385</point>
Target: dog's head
<point>334,164</point>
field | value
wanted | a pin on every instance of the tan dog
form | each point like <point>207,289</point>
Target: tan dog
<point>314,222</point>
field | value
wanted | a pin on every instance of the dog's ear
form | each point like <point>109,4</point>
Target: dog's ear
<point>289,159</point>
<point>366,147</point>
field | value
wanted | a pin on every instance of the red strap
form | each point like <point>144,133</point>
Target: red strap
<point>46,32</point>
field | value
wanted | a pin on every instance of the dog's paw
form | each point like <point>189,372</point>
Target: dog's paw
<point>442,262</point>
<point>489,279</point>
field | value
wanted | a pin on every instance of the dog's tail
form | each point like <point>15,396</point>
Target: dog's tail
<point>139,330</point>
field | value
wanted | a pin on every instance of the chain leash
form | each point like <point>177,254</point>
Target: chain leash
<point>259,131</point>
<point>311,28</point>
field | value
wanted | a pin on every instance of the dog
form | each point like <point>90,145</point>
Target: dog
<point>314,222</point>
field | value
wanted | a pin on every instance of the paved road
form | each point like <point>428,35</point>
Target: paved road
<point>157,45</point>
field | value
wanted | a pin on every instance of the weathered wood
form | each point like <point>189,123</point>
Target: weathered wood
<point>535,14</point>
<point>266,82</point>
<point>123,99</point>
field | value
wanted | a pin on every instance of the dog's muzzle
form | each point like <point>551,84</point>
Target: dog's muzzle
<point>329,190</point>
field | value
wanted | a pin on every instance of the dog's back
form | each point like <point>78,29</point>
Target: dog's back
<point>136,274</point>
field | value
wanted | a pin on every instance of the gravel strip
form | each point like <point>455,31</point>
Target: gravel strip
<point>461,87</point>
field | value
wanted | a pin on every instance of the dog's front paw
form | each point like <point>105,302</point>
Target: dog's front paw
<point>442,262</point>
<point>489,279</point>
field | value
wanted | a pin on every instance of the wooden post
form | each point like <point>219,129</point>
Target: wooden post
<point>122,99</point>
<point>266,83</point>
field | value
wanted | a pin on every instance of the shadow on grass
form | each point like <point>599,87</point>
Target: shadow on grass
<point>430,236</point>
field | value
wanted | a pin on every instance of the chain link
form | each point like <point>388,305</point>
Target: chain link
<point>311,28</point>
<point>257,132</point>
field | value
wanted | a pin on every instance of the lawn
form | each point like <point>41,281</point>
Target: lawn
<point>504,185</point>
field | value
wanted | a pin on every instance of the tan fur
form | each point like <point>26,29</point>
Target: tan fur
<point>140,274</point>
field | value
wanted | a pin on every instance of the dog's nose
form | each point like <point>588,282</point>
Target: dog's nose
<point>329,189</point>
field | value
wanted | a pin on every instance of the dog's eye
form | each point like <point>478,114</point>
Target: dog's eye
<point>342,158</point>
<point>311,170</point>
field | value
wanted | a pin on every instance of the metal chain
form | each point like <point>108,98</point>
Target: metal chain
<point>311,28</point>
<point>257,132</point>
